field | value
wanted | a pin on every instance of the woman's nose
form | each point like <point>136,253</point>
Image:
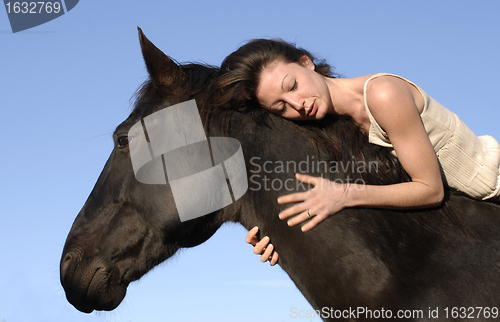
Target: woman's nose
<point>297,103</point>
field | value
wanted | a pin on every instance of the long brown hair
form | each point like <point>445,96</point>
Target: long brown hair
<point>240,72</point>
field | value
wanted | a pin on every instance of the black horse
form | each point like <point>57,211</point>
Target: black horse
<point>360,264</point>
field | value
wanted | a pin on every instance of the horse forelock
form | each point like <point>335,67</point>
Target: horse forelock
<point>151,95</point>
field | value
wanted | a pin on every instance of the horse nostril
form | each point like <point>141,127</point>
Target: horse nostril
<point>67,261</point>
<point>67,258</point>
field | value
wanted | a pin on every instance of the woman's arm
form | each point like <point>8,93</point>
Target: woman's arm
<point>393,104</point>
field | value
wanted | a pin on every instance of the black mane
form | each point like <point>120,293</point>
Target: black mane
<point>196,77</point>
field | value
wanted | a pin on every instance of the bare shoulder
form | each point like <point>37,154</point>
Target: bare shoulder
<point>387,85</point>
<point>388,90</point>
<point>393,103</point>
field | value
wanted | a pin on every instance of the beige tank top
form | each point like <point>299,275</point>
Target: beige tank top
<point>469,163</point>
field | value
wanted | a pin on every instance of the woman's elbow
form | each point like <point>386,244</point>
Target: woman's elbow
<point>436,197</point>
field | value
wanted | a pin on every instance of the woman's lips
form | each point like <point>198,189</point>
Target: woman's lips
<point>313,109</point>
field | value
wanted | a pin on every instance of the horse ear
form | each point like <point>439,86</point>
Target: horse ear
<point>161,68</point>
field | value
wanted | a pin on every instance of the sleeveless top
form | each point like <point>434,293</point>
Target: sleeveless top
<point>469,163</point>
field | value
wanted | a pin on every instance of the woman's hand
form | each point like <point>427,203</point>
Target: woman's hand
<point>315,205</point>
<point>262,247</point>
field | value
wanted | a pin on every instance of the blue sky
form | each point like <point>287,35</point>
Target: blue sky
<point>65,86</point>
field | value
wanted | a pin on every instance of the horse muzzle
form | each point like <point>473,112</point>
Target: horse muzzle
<point>90,285</point>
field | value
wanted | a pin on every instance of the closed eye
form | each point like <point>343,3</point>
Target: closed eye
<point>294,87</point>
<point>282,110</point>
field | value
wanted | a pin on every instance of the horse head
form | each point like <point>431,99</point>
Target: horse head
<point>117,237</point>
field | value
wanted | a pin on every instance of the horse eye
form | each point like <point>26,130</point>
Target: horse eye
<point>123,141</point>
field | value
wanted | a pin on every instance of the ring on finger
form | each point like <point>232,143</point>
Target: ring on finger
<point>308,214</point>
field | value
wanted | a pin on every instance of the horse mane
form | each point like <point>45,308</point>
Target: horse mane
<point>196,79</point>
<point>336,138</point>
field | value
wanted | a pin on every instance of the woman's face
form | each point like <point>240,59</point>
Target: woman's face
<point>294,91</point>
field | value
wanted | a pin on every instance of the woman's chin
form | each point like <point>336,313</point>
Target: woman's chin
<point>319,115</point>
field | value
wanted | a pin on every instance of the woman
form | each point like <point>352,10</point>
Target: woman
<point>391,110</point>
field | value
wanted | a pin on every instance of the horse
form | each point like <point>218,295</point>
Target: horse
<point>359,264</point>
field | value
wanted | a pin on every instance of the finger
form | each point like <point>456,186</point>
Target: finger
<point>293,197</point>
<point>292,211</point>
<point>274,259</point>
<point>267,253</point>
<point>308,179</point>
<point>251,237</point>
<point>299,219</point>
<point>259,248</point>
<point>312,223</point>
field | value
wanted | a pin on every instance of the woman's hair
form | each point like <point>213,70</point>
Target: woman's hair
<point>240,72</point>
<point>235,86</point>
